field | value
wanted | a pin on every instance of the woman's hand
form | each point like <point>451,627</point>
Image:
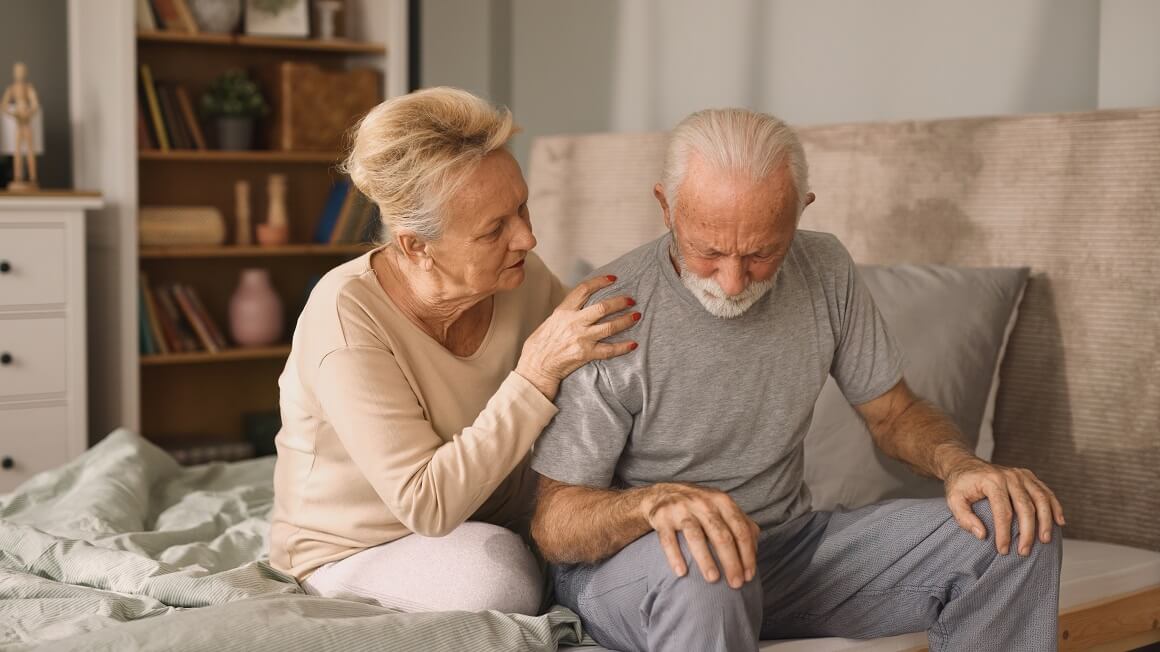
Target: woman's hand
<point>571,336</point>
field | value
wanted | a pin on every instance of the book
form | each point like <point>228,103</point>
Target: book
<point>150,92</point>
<point>168,18</point>
<point>146,346</point>
<point>165,320</point>
<point>191,122</point>
<point>344,215</point>
<point>330,210</point>
<point>215,333</point>
<point>144,136</point>
<point>146,21</point>
<point>185,16</point>
<point>183,333</point>
<point>158,335</point>
<point>191,316</point>
<point>173,122</point>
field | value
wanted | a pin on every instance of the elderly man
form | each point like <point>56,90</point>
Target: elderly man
<point>672,505</point>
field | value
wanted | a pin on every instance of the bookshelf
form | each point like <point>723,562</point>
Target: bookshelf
<point>187,395</point>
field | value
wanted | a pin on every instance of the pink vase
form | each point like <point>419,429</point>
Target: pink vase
<point>255,310</point>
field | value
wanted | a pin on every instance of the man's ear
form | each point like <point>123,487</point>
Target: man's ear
<point>659,193</point>
<point>415,249</point>
<point>810,197</point>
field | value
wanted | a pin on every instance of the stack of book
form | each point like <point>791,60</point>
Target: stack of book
<point>348,217</point>
<point>165,117</point>
<point>174,320</point>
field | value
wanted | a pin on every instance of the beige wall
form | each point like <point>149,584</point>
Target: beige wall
<point>632,65</point>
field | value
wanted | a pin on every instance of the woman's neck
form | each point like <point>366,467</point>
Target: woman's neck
<point>421,296</point>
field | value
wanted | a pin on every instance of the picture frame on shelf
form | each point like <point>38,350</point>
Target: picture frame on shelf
<point>281,18</point>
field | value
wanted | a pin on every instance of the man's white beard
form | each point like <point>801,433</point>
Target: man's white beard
<point>714,299</point>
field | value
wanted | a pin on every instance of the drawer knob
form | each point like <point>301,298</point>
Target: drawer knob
<point>7,462</point>
<point>5,358</point>
<point>5,267</point>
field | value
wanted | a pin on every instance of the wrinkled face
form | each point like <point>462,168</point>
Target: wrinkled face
<point>487,231</point>
<point>731,234</point>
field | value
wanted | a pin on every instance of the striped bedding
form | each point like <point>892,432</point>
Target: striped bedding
<point>124,549</point>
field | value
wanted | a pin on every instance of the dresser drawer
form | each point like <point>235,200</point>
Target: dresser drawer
<point>31,440</point>
<point>36,355</point>
<point>36,264</point>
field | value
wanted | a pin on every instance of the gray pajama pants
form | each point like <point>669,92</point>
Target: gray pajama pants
<point>891,568</point>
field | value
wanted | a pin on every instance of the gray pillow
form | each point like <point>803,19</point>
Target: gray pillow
<point>951,324</point>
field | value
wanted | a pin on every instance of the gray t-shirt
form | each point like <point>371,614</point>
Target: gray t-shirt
<point>723,403</point>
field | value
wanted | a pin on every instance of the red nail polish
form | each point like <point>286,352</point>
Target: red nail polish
<point>636,316</point>
<point>632,347</point>
<point>610,277</point>
<point>630,302</point>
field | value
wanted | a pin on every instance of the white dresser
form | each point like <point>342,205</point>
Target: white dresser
<point>43,392</point>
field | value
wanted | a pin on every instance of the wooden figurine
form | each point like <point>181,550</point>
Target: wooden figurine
<point>22,103</point>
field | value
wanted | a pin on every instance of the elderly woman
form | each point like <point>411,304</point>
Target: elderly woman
<point>423,371</point>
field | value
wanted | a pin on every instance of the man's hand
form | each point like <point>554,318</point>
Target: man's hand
<point>705,516</point>
<point>1013,493</point>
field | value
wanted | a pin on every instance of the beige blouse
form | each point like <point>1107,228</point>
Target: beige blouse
<point>385,432</point>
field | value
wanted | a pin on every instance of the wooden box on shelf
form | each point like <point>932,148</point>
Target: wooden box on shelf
<point>314,107</point>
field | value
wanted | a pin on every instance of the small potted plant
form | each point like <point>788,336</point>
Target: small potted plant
<point>233,102</point>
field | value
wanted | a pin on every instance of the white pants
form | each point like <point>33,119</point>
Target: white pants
<point>476,567</point>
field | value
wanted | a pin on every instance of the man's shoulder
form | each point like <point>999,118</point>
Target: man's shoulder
<point>633,270</point>
<point>820,246</point>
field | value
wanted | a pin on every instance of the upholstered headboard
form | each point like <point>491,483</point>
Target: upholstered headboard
<point>1076,197</point>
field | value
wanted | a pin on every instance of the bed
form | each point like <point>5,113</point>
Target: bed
<point>1076,198</point>
<point>122,548</point>
<point>175,558</point>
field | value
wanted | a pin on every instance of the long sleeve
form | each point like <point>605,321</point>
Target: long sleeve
<point>429,484</point>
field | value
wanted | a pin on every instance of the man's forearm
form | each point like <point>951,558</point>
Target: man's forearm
<point>924,438</point>
<point>584,525</point>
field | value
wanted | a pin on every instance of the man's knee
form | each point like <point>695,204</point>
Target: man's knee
<point>693,588</point>
<point>1053,548</point>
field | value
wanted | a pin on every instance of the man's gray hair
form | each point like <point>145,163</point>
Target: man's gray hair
<point>734,140</point>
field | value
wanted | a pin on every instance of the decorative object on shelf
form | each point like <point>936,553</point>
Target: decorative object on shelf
<point>314,107</point>
<point>278,18</point>
<point>327,12</point>
<point>174,226</point>
<point>218,16</point>
<point>244,233</point>
<point>275,230</point>
<point>255,310</point>
<point>22,132</point>
<point>234,101</point>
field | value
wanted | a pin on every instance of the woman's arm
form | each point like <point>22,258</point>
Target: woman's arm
<point>430,485</point>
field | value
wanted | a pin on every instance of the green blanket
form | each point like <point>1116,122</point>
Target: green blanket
<point>125,549</point>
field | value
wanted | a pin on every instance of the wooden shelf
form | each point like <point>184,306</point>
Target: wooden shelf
<point>227,156</point>
<point>234,251</point>
<point>334,46</point>
<point>229,355</point>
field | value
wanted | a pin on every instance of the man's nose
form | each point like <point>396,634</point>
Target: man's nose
<point>731,277</point>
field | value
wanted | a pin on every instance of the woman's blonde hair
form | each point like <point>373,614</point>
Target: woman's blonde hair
<point>411,153</point>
